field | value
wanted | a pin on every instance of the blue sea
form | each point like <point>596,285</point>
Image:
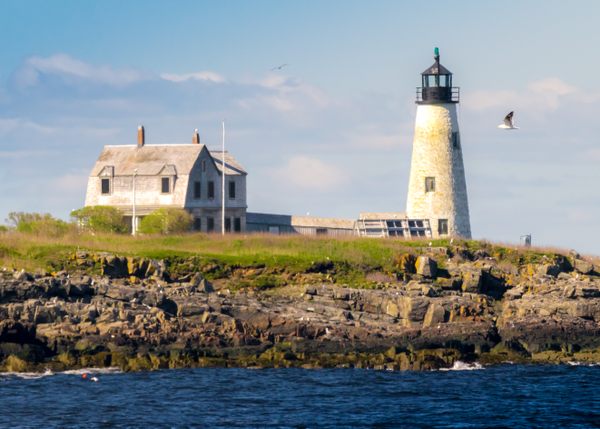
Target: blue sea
<point>507,396</point>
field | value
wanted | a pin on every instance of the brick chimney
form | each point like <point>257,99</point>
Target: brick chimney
<point>141,136</point>
<point>196,137</point>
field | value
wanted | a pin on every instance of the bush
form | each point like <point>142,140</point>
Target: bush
<point>3,228</point>
<point>100,219</point>
<point>39,224</point>
<point>166,221</point>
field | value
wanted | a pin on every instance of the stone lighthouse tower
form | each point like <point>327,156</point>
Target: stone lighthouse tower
<point>437,189</point>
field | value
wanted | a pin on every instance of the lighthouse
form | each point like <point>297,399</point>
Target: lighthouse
<point>437,189</point>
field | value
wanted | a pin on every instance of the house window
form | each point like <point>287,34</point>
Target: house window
<point>197,190</point>
<point>228,224</point>
<point>455,140</point>
<point>197,224</point>
<point>105,184</point>
<point>165,185</point>
<point>429,184</point>
<point>237,224</point>
<point>321,231</point>
<point>203,165</point>
<point>210,224</point>
<point>231,190</point>
<point>211,190</point>
<point>443,226</point>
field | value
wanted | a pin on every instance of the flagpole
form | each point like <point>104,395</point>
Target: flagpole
<point>223,184</point>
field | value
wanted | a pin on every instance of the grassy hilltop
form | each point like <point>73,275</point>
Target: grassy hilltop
<point>349,260</point>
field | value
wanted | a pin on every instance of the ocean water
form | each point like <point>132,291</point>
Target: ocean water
<point>507,396</point>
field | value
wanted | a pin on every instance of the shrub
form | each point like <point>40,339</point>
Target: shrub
<point>3,228</point>
<point>166,221</point>
<point>39,224</point>
<point>100,219</point>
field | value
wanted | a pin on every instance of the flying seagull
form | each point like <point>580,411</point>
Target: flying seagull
<point>508,122</point>
<point>279,67</point>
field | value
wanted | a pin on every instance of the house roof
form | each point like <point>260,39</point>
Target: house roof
<point>151,160</point>
<point>232,167</point>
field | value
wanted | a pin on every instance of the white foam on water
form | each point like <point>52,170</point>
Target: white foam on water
<point>577,363</point>
<point>81,371</point>
<point>47,373</point>
<point>27,375</point>
<point>463,366</point>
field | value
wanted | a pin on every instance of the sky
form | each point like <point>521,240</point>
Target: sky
<point>329,134</point>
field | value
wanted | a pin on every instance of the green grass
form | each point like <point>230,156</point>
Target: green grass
<point>351,257</point>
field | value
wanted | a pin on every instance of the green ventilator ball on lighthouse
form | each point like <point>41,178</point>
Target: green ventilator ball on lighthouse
<point>436,51</point>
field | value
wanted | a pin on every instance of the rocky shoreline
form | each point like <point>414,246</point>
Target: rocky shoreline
<point>440,307</point>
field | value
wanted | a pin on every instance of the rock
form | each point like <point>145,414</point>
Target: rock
<point>569,291</point>
<point>22,276</point>
<point>583,267</point>
<point>114,267</point>
<point>406,263</point>
<point>471,281</point>
<point>426,266</point>
<point>435,314</point>
<point>549,270</point>
<point>201,284</point>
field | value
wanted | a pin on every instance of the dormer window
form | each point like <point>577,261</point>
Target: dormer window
<point>165,185</point>
<point>106,175</point>
<point>105,186</point>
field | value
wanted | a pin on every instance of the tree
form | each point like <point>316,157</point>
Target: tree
<point>38,224</point>
<point>166,221</point>
<point>100,219</point>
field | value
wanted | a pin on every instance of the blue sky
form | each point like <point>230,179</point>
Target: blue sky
<point>331,133</point>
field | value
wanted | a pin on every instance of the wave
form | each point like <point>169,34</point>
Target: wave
<point>81,371</point>
<point>28,375</point>
<point>463,366</point>
<point>578,363</point>
<point>48,372</point>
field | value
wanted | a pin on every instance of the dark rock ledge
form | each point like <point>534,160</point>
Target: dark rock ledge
<point>135,316</point>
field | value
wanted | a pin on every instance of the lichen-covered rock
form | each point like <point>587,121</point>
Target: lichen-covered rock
<point>426,266</point>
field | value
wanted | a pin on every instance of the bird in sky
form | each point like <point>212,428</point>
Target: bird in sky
<point>508,122</point>
<point>279,67</point>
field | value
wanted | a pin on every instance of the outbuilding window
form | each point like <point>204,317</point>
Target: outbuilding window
<point>197,190</point>
<point>430,184</point>
<point>231,190</point>
<point>165,185</point>
<point>105,185</point>
<point>211,190</point>
<point>210,224</point>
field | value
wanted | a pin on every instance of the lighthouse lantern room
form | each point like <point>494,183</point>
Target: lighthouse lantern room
<point>437,84</point>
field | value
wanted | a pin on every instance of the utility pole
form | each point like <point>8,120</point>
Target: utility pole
<point>133,218</point>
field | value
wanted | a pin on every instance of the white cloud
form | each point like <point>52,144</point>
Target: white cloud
<point>207,76</point>
<point>544,94</point>
<point>69,183</point>
<point>310,173</point>
<point>10,125</point>
<point>70,68</point>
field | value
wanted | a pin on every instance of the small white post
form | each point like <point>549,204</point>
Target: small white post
<point>133,218</point>
<point>223,184</point>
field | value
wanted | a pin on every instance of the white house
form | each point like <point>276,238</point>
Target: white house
<point>187,176</point>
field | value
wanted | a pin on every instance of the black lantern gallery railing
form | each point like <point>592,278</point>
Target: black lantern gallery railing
<point>438,94</point>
